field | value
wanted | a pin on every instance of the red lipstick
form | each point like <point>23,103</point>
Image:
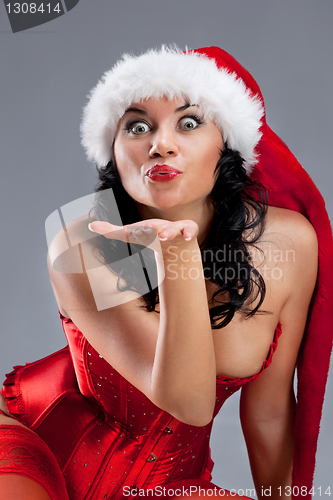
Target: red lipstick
<point>162,173</point>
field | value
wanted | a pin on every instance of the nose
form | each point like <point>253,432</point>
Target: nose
<point>164,143</point>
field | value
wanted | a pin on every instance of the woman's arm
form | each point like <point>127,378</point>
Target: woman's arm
<point>168,356</point>
<point>184,369</point>
<point>268,405</point>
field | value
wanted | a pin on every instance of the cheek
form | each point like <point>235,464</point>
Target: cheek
<point>125,161</point>
<point>120,155</point>
<point>129,153</point>
<point>212,145</point>
<point>210,159</point>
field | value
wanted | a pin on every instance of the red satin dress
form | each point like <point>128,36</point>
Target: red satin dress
<point>107,437</point>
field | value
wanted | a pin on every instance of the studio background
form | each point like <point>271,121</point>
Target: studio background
<point>45,75</point>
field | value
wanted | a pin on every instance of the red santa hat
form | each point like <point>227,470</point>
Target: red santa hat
<point>230,96</point>
<point>233,106</point>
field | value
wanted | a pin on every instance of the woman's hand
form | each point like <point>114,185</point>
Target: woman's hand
<point>146,232</point>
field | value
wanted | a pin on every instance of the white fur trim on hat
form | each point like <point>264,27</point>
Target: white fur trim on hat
<point>223,97</point>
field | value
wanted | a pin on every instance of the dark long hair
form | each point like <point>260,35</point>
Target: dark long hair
<point>240,209</point>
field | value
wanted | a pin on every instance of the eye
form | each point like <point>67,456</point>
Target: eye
<point>138,128</point>
<point>189,123</point>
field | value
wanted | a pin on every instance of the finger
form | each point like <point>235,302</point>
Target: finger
<point>109,231</point>
<point>141,235</point>
<point>102,227</point>
<point>170,232</point>
<point>188,228</point>
<point>135,233</point>
<point>189,232</point>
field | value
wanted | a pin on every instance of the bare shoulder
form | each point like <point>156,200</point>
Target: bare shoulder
<point>290,245</point>
<point>296,240</point>
<point>79,275</point>
<point>286,256</point>
<point>293,226</point>
<point>292,241</point>
<point>65,250</point>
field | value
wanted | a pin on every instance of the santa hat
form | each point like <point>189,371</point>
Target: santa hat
<point>233,106</point>
<point>230,96</point>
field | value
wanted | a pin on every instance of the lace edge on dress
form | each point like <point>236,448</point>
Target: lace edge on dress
<point>24,453</point>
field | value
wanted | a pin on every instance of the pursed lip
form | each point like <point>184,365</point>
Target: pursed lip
<point>162,172</point>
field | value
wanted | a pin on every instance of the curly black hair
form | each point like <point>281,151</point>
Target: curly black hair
<point>240,208</point>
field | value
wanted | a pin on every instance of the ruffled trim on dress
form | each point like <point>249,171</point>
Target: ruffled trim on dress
<point>11,392</point>
<point>28,407</point>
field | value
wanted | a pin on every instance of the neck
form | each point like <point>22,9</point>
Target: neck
<point>201,212</point>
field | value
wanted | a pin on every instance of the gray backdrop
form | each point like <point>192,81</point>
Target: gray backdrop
<point>45,75</point>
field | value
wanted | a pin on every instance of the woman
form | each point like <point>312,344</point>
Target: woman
<point>175,137</point>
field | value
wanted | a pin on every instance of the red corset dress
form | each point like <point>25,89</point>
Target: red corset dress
<point>106,435</point>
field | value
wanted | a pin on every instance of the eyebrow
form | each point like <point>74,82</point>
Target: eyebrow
<point>188,105</point>
<point>133,109</point>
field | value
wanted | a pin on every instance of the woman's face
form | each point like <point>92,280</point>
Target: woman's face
<point>166,153</point>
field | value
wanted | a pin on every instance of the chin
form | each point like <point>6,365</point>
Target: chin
<point>161,203</point>
<point>165,201</point>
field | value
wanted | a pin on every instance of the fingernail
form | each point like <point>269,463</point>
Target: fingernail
<point>162,239</point>
<point>187,239</point>
<point>147,229</point>
<point>89,227</point>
